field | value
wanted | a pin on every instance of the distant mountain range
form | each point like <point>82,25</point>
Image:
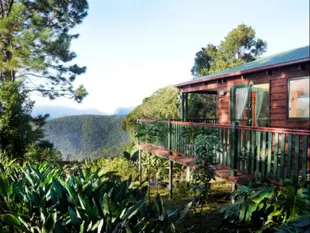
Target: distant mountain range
<point>56,111</point>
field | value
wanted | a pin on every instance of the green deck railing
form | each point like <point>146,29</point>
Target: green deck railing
<point>273,152</point>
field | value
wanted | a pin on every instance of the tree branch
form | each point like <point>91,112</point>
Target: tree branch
<point>2,9</point>
<point>35,75</point>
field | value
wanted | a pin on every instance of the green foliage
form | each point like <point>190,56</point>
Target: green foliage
<point>297,225</point>
<point>35,45</point>
<point>43,198</point>
<point>162,104</point>
<point>42,151</point>
<point>153,132</point>
<point>202,106</point>
<point>158,168</point>
<point>120,166</point>
<point>153,167</point>
<point>207,148</point>
<point>87,136</point>
<point>238,47</point>
<point>271,207</point>
<point>17,128</point>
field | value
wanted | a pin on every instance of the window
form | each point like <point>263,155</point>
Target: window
<point>298,98</point>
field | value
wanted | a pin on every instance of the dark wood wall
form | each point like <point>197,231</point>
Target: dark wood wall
<point>278,81</point>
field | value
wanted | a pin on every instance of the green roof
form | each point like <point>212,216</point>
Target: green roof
<point>288,56</point>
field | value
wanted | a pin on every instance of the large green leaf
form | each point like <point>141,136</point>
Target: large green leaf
<point>74,219</point>
<point>185,211</point>
<point>160,206</point>
<point>133,210</point>
<point>73,196</point>
<point>10,219</point>
<point>49,225</point>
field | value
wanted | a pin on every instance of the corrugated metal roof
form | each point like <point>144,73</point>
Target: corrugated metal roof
<point>284,57</point>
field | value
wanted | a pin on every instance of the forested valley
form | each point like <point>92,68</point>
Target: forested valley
<point>87,136</point>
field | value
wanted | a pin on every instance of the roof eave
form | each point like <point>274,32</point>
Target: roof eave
<point>203,80</point>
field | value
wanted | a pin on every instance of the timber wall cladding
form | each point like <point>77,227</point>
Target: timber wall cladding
<point>279,97</point>
<point>278,80</point>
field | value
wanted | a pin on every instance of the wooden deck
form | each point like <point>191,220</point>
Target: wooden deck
<point>275,153</point>
<point>221,171</point>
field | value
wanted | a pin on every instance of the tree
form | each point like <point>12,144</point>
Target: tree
<point>162,104</point>
<point>204,60</point>
<point>35,45</point>
<point>17,127</point>
<point>240,46</point>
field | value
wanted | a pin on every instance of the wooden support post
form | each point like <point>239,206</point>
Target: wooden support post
<point>182,106</point>
<point>170,178</point>
<point>140,166</point>
<point>186,107</point>
<point>234,187</point>
<point>188,174</point>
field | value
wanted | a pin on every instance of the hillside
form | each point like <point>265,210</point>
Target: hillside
<point>162,104</point>
<point>87,136</point>
<point>123,110</point>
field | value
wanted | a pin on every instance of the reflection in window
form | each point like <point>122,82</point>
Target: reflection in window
<point>260,105</point>
<point>299,98</point>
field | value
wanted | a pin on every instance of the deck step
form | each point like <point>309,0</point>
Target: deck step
<point>221,171</point>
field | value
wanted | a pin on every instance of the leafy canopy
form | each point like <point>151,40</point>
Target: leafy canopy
<point>35,44</point>
<point>240,46</point>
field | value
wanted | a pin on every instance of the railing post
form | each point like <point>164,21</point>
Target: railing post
<point>138,141</point>
<point>233,150</point>
<point>169,135</point>
<point>170,162</point>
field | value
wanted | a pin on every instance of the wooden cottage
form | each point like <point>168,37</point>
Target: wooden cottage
<point>262,118</point>
<point>269,92</point>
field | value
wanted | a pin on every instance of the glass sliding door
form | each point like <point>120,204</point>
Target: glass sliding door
<point>250,105</point>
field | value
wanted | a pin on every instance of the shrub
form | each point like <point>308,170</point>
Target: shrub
<point>270,206</point>
<point>120,166</point>
<point>42,151</point>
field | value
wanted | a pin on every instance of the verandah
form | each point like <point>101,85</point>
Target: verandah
<point>273,153</point>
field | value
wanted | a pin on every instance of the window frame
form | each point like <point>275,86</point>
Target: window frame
<point>288,99</point>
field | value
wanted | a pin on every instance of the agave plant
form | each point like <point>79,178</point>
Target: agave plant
<point>45,198</point>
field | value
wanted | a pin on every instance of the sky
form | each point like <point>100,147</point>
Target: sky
<point>132,48</point>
